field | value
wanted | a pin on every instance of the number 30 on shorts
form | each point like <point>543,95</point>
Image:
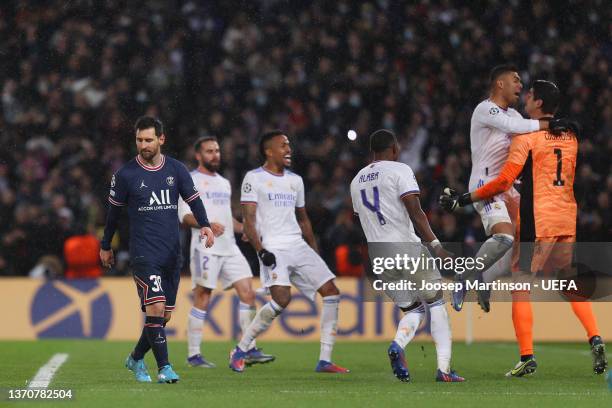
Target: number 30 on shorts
<point>156,279</point>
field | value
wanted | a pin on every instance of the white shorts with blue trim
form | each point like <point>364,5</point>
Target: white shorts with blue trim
<point>299,266</point>
<point>503,207</point>
<point>207,269</point>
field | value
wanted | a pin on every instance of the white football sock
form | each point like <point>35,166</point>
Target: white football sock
<point>499,268</point>
<point>195,325</point>
<point>329,324</point>
<point>408,326</point>
<point>263,319</point>
<point>441,333</point>
<point>491,251</point>
<point>246,314</point>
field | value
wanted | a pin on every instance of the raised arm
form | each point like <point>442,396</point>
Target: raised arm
<point>491,116</point>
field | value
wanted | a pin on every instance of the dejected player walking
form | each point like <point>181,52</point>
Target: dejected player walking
<point>149,186</point>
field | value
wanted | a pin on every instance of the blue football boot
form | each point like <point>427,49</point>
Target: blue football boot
<point>139,368</point>
<point>398,362</point>
<point>459,294</point>
<point>256,356</point>
<point>237,360</point>
<point>167,375</point>
<point>198,360</point>
<point>452,376</point>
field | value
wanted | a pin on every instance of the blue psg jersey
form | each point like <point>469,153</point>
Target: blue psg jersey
<point>151,195</point>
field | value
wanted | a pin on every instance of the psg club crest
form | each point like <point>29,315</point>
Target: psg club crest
<point>170,180</point>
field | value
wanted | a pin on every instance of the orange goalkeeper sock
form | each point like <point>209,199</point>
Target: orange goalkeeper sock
<point>522,318</point>
<point>584,313</point>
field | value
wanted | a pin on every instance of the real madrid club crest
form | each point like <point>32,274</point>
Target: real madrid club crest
<point>170,180</point>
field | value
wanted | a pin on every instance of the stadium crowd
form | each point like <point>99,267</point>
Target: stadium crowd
<point>75,75</point>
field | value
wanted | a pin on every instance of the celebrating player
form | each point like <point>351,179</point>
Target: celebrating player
<point>150,185</point>
<point>548,213</point>
<point>277,225</point>
<point>223,261</point>
<point>385,197</point>
<point>492,126</point>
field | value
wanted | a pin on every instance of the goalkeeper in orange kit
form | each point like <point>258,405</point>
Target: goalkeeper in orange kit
<point>548,214</point>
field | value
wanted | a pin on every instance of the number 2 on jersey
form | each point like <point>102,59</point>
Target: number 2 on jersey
<point>375,207</point>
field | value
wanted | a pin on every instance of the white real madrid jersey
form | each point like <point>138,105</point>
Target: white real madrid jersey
<point>277,197</point>
<point>216,194</point>
<point>491,131</point>
<point>377,192</point>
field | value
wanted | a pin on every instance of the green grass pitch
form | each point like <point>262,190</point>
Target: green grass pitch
<point>94,370</point>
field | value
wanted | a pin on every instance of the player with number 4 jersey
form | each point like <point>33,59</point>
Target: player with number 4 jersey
<point>385,197</point>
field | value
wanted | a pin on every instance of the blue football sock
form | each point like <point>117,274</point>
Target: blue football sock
<point>142,347</point>
<point>154,328</point>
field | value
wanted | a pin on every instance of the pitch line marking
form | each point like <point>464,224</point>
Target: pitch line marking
<point>45,373</point>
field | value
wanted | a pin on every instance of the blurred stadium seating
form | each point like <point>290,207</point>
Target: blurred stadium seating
<point>76,74</point>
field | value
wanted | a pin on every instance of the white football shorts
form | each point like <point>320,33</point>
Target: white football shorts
<point>299,266</point>
<point>503,207</point>
<point>207,269</point>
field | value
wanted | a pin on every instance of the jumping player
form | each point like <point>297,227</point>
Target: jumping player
<point>150,186</point>
<point>548,211</point>
<point>493,124</point>
<point>277,225</point>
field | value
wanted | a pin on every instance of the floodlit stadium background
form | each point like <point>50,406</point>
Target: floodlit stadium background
<point>74,76</point>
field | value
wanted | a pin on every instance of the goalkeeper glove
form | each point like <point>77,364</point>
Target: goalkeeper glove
<point>558,126</point>
<point>267,258</point>
<point>450,200</point>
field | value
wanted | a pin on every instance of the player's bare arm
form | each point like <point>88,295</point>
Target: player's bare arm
<point>249,212</point>
<point>190,221</point>
<point>306,227</point>
<point>237,226</point>
<point>421,224</point>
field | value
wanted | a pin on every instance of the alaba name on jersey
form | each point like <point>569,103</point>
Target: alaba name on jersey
<point>277,196</point>
<point>216,193</point>
<point>377,192</point>
<point>151,195</point>
<point>491,130</point>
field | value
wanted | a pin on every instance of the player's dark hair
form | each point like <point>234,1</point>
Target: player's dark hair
<point>148,122</point>
<point>548,93</point>
<point>265,138</point>
<point>203,139</point>
<point>499,70</point>
<point>381,140</point>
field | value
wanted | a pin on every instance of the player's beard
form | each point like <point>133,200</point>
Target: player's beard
<point>148,154</point>
<point>212,167</point>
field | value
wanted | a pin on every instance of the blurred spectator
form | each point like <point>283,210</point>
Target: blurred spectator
<point>76,75</point>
